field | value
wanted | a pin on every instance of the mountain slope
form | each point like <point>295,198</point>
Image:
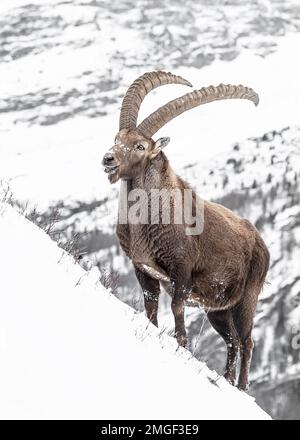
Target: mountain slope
<point>63,356</point>
<point>65,65</point>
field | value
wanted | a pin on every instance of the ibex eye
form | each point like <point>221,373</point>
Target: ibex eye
<point>140,147</point>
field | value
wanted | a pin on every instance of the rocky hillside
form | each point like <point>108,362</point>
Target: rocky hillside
<point>77,52</point>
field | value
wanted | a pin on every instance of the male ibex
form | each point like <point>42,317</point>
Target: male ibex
<point>223,268</point>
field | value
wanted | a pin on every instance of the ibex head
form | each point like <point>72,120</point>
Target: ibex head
<point>134,147</point>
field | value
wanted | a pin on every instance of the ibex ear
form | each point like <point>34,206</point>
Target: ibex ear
<point>162,142</point>
<point>159,145</point>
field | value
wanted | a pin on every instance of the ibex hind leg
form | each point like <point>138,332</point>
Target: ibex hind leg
<point>222,322</point>
<point>243,315</point>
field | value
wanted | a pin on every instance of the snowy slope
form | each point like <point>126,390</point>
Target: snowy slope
<point>62,356</point>
<point>64,68</point>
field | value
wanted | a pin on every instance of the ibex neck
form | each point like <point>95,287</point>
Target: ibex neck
<point>158,174</point>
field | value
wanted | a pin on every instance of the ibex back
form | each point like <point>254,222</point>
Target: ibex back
<point>222,268</point>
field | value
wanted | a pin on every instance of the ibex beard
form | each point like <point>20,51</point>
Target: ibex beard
<point>202,253</point>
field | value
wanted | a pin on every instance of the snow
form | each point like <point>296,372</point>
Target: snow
<point>6,5</point>
<point>78,60</point>
<point>45,164</point>
<point>63,356</point>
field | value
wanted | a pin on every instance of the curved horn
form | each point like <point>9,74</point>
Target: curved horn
<point>139,89</point>
<point>169,111</point>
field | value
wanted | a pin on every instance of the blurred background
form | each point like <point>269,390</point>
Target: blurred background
<point>64,68</point>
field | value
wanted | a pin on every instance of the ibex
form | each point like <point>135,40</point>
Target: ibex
<point>223,268</point>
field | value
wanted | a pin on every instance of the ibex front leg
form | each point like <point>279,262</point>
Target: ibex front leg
<point>181,286</point>
<point>151,291</point>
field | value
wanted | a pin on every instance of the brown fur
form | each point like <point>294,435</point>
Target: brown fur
<point>222,270</point>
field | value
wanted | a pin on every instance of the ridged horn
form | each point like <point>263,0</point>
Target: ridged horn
<point>174,108</point>
<point>139,89</point>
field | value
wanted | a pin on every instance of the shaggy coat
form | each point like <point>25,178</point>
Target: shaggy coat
<point>223,268</point>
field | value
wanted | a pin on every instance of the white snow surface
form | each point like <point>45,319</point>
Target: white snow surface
<point>62,355</point>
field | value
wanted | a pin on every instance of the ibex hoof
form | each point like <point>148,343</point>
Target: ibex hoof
<point>182,340</point>
<point>243,387</point>
<point>229,378</point>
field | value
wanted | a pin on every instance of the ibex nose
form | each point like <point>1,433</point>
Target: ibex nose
<point>108,159</point>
